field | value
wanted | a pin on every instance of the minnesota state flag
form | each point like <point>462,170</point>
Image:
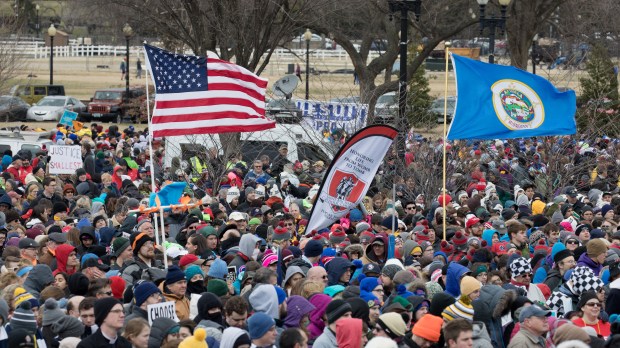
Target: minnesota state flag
<point>502,102</point>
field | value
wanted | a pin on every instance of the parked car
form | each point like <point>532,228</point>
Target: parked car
<point>113,104</point>
<point>31,94</point>
<point>438,106</point>
<point>51,108</point>
<point>386,108</point>
<point>13,108</point>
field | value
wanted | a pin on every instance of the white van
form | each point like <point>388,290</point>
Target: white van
<point>303,143</point>
<point>16,140</point>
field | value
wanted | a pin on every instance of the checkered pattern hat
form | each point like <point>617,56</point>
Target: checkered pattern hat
<point>520,266</point>
<point>585,280</point>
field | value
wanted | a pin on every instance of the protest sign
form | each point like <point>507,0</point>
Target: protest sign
<point>332,115</point>
<point>68,117</point>
<point>65,159</point>
<point>161,310</point>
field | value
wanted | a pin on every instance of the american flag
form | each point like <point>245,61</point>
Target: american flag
<point>198,95</point>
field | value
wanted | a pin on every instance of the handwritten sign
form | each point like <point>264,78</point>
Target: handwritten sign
<point>333,115</point>
<point>65,159</point>
<point>162,310</point>
<point>68,117</point>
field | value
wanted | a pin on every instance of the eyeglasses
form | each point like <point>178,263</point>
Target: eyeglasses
<point>593,304</point>
<point>572,242</point>
<point>410,208</point>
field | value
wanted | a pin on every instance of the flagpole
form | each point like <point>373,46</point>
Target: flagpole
<point>163,236</point>
<point>447,45</point>
<point>148,122</point>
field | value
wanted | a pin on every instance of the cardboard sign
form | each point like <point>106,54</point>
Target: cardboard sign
<point>65,159</point>
<point>68,117</point>
<point>162,310</point>
<point>332,115</point>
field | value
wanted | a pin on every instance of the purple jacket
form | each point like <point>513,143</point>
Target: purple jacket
<point>317,324</point>
<point>585,260</point>
<point>296,308</point>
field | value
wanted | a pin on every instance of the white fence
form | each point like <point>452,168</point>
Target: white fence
<point>37,49</point>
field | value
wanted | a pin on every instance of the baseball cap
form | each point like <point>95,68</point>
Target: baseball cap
<point>26,243</point>
<point>571,191</point>
<point>94,261</point>
<point>371,268</point>
<point>256,212</point>
<point>533,311</point>
<point>499,226</point>
<point>235,215</point>
<point>58,237</point>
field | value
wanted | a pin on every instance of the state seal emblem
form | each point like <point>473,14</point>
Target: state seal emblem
<point>517,105</point>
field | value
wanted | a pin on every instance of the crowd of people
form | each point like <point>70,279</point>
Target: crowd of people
<point>494,262</point>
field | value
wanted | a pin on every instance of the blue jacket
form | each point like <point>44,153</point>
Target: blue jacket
<point>456,271</point>
<point>336,268</point>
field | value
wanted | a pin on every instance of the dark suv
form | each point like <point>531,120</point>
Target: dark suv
<point>115,105</point>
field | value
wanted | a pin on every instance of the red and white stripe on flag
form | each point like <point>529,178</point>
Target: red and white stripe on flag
<point>233,101</point>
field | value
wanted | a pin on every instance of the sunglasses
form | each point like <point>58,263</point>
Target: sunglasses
<point>572,242</point>
<point>593,304</point>
<point>526,275</point>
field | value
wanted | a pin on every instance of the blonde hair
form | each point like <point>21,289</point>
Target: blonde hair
<point>310,287</point>
<point>83,202</point>
<point>134,327</point>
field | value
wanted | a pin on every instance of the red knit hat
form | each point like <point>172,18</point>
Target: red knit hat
<point>447,247</point>
<point>187,260</point>
<point>443,198</point>
<point>366,236</point>
<point>117,284</point>
<point>459,240</point>
<point>542,245</point>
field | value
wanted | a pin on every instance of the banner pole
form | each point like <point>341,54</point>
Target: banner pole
<point>394,207</point>
<point>148,122</point>
<point>163,237</point>
<point>156,229</point>
<point>445,125</point>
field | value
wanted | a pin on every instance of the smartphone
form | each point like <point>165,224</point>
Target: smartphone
<point>232,273</point>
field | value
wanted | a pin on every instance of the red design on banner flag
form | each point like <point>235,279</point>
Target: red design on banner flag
<point>347,187</point>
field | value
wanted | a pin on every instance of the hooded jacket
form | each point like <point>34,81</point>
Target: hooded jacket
<point>230,336</point>
<point>39,277</point>
<point>585,260</point>
<point>290,272</point>
<point>369,254</point>
<point>455,272</point>
<point>159,330</point>
<point>296,308</point>
<point>264,298</point>
<point>94,248</point>
<point>335,269</point>
<point>481,336</point>
<point>493,303</point>
<point>349,333</point>
<point>317,324</point>
<point>181,303</point>
<point>62,255</point>
<point>247,244</point>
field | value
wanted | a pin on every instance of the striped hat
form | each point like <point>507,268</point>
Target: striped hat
<point>459,240</point>
<point>23,318</point>
<point>20,295</point>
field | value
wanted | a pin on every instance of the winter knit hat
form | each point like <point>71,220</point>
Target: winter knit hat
<point>144,291</point>
<point>198,340</point>
<point>51,312</point>
<point>119,245</point>
<point>68,326</point>
<point>428,327</point>
<point>137,240</point>
<point>403,277</point>
<point>258,325</point>
<point>585,280</point>
<point>218,269</point>
<point>596,247</point>
<point>281,233</point>
<point>313,248</point>
<point>103,308</point>
<point>469,285</point>
<point>337,235</point>
<point>218,287</point>
<point>460,241</point>
<point>520,266</point>
<point>23,318</point>
<point>390,270</point>
<point>446,247</point>
<point>336,309</point>
<point>174,275</point>
<point>232,193</point>
<point>361,227</point>
<point>20,295</point>
<point>393,324</point>
<point>191,271</point>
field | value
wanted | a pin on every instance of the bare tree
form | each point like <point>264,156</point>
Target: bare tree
<point>357,25</point>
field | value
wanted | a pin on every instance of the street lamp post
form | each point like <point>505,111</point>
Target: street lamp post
<point>308,38</point>
<point>128,32</point>
<point>38,21</point>
<point>51,31</point>
<point>492,23</point>
<point>403,7</point>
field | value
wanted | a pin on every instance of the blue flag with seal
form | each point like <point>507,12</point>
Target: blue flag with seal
<point>503,102</point>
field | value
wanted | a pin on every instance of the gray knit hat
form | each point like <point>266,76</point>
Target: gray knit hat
<point>390,270</point>
<point>51,312</point>
<point>23,318</point>
<point>68,326</point>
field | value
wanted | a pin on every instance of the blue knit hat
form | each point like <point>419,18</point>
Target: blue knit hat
<point>174,275</point>
<point>191,271</point>
<point>258,325</point>
<point>144,291</point>
<point>218,269</point>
